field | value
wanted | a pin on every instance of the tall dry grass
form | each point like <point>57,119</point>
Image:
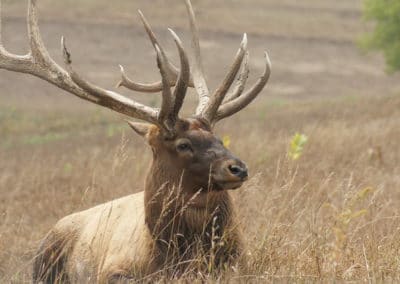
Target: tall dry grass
<point>331,215</point>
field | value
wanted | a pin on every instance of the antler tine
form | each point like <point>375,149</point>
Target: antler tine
<point>12,62</point>
<point>198,73</point>
<point>239,103</point>
<point>25,63</point>
<point>38,62</point>
<point>167,104</point>
<point>241,80</point>
<point>38,50</point>
<point>139,87</point>
<point>153,87</point>
<point>219,95</point>
<point>168,101</point>
<point>183,78</point>
<point>108,98</point>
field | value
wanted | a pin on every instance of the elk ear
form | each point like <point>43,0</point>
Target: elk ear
<point>140,128</point>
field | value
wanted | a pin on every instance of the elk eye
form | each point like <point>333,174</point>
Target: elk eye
<point>182,147</point>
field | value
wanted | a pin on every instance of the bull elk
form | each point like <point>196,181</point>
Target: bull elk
<point>185,210</point>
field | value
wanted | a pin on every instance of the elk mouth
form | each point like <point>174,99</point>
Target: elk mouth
<point>219,185</point>
<point>216,188</point>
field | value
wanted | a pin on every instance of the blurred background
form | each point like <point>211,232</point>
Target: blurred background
<point>321,140</point>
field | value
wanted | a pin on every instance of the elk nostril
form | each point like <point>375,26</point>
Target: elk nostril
<point>238,171</point>
<point>235,169</point>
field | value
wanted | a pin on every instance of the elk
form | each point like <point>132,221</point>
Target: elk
<point>185,209</point>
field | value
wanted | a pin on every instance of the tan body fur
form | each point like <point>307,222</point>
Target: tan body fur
<point>112,240</point>
<point>108,239</point>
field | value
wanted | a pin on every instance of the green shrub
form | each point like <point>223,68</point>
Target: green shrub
<point>386,33</point>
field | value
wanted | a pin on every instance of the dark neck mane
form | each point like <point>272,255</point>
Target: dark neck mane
<point>172,207</point>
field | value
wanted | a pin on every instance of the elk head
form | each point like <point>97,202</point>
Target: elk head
<point>184,145</point>
<point>193,155</point>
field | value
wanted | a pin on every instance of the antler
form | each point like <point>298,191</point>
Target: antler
<point>39,63</point>
<point>209,106</point>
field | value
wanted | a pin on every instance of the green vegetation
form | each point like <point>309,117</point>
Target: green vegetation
<point>386,34</point>
<point>297,144</point>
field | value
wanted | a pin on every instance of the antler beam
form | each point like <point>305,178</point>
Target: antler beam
<point>39,63</point>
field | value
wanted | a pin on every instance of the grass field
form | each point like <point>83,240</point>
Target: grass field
<point>331,215</point>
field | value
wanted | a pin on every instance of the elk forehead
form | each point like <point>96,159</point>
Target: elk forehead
<point>196,128</point>
<point>198,124</point>
<point>193,123</point>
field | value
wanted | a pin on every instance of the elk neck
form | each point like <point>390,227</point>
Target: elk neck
<point>176,204</point>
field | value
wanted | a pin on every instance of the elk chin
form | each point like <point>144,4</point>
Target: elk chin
<point>226,185</point>
<point>223,181</point>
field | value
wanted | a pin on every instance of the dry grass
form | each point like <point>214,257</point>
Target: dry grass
<point>331,215</point>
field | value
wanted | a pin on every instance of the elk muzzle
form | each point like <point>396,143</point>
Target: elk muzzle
<point>229,174</point>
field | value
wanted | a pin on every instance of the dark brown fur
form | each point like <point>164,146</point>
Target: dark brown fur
<point>187,228</point>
